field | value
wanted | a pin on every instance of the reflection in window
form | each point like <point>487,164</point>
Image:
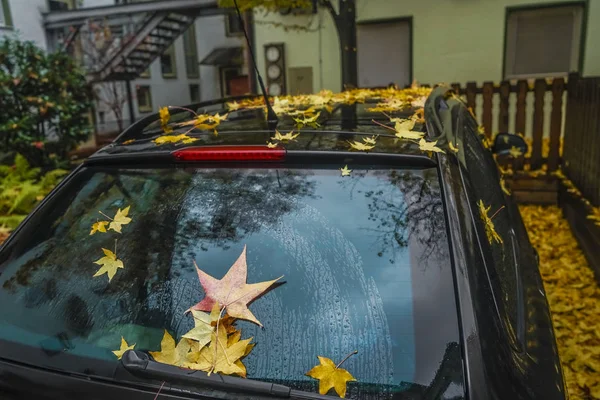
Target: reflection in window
<point>168,64</point>
<point>144,98</point>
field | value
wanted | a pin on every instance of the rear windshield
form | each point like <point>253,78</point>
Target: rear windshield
<point>364,260</point>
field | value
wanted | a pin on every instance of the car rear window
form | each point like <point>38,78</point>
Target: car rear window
<point>364,257</point>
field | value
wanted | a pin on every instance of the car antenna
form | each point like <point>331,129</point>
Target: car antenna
<point>272,119</point>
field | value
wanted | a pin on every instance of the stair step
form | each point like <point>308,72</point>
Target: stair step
<point>169,29</point>
<point>167,37</point>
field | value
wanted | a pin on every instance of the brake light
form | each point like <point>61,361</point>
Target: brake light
<point>230,153</point>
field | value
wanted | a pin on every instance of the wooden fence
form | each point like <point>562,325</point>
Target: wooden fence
<point>582,137</point>
<point>520,89</point>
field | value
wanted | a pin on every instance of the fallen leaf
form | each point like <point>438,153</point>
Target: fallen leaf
<point>503,186</point>
<point>183,138</point>
<point>233,106</point>
<point>515,152</point>
<point>232,291</point>
<point>429,146</point>
<point>595,215</point>
<point>404,129</point>
<point>330,376</point>
<point>110,264</point>
<point>203,329</point>
<point>345,171</point>
<point>120,219</point>
<point>284,138</point>
<point>490,229</point>
<point>310,121</point>
<point>271,145</point>
<point>360,146</point>
<point>165,116</point>
<point>452,147</point>
<point>130,141</point>
<point>370,140</point>
<point>124,347</point>
<point>99,226</point>
<point>170,353</point>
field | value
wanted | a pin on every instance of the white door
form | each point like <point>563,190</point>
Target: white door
<point>384,53</point>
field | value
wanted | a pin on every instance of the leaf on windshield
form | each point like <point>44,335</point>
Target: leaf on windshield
<point>203,329</point>
<point>345,171</point>
<point>99,226</point>
<point>360,146</point>
<point>165,116</point>
<point>222,355</point>
<point>370,140</point>
<point>232,291</point>
<point>308,121</point>
<point>429,146</point>
<point>110,264</point>
<point>490,229</point>
<point>331,376</point>
<point>285,138</point>
<point>272,145</point>
<point>120,219</point>
<point>124,347</point>
<point>170,353</point>
<point>176,139</point>
<point>404,129</point>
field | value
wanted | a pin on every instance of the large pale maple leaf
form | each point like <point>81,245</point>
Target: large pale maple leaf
<point>232,291</point>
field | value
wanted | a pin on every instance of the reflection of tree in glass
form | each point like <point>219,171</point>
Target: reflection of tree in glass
<point>418,216</point>
<point>228,205</point>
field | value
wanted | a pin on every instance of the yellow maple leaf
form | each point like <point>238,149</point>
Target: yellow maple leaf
<point>183,138</point>
<point>370,140</point>
<point>481,130</point>
<point>272,145</point>
<point>310,121</point>
<point>110,263</point>
<point>429,146</point>
<point>595,215</point>
<point>221,355</point>
<point>404,129</point>
<point>170,353</point>
<point>503,186</point>
<point>360,146</point>
<point>99,226</point>
<point>164,115</point>
<point>515,152</point>
<point>490,229</point>
<point>345,171</point>
<point>130,141</point>
<point>203,329</point>
<point>120,219</point>
<point>331,376</point>
<point>285,138</point>
<point>233,106</point>
<point>124,347</point>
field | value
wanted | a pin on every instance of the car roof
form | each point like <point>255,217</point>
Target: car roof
<point>340,118</point>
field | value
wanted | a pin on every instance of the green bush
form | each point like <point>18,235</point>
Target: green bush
<point>45,101</point>
<point>21,188</point>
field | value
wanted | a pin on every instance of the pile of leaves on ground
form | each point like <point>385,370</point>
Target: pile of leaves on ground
<point>21,189</point>
<point>574,298</point>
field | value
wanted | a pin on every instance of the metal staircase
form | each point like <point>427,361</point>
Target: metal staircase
<point>154,35</point>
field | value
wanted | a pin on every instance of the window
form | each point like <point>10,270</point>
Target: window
<point>377,282</point>
<point>194,93</point>
<point>232,25</point>
<point>543,42</point>
<point>146,73</point>
<point>5,16</point>
<point>191,52</point>
<point>227,75</point>
<point>144,98</point>
<point>167,63</point>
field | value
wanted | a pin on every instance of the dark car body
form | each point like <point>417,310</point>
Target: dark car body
<point>504,345</point>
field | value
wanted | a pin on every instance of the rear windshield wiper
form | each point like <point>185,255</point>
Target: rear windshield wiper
<point>140,364</point>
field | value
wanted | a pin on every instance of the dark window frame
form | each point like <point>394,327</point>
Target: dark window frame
<point>146,108</point>
<point>8,20</point>
<point>544,6</point>
<point>228,25</point>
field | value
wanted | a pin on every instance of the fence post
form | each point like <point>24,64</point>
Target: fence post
<point>488,93</point>
<point>558,87</point>
<point>520,117</point>
<point>538,123</point>
<point>471,92</point>
<point>503,115</point>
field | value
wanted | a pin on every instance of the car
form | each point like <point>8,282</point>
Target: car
<point>410,257</point>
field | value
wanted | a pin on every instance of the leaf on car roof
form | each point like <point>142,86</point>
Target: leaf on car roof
<point>490,229</point>
<point>285,138</point>
<point>165,116</point>
<point>120,219</point>
<point>345,171</point>
<point>429,146</point>
<point>360,146</point>
<point>176,139</point>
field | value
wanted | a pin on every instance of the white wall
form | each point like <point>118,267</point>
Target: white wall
<point>27,21</point>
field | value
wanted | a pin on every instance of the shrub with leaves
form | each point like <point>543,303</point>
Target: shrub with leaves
<point>21,188</point>
<point>44,100</point>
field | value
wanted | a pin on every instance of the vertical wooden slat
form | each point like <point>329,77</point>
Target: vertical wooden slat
<point>520,116</point>
<point>570,118</point>
<point>558,87</point>
<point>486,115</point>
<point>456,88</point>
<point>471,92</point>
<point>539,91</point>
<point>594,164</point>
<point>503,114</point>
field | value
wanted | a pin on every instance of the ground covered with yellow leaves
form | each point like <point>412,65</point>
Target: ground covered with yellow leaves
<point>574,298</point>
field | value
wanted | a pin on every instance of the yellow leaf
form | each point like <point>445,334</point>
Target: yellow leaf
<point>271,145</point>
<point>109,263</point>
<point>124,347</point>
<point>203,329</point>
<point>232,291</point>
<point>120,219</point>
<point>515,152</point>
<point>490,229</point>
<point>99,226</point>
<point>310,121</point>
<point>284,138</point>
<point>170,353</point>
<point>233,106</point>
<point>429,146</point>
<point>404,129</point>
<point>452,147</point>
<point>503,186</point>
<point>130,141</point>
<point>345,171</point>
<point>370,140</point>
<point>183,138</point>
<point>360,146</point>
<point>330,376</point>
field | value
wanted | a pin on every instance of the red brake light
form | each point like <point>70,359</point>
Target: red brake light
<point>230,153</point>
